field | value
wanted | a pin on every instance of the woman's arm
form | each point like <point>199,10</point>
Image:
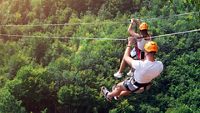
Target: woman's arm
<point>130,30</point>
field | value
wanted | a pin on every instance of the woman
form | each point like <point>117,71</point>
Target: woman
<point>140,39</point>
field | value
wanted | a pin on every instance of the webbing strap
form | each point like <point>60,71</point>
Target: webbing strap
<point>141,84</point>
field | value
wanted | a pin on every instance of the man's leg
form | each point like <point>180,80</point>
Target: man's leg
<point>117,90</point>
<point>124,93</point>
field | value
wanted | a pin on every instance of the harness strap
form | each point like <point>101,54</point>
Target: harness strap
<point>140,85</point>
<point>139,53</point>
<point>135,84</point>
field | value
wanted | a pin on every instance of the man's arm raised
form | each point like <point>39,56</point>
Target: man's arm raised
<point>127,57</point>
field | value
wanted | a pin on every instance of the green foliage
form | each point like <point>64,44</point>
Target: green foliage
<point>79,93</point>
<point>180,109</point>
<point>42,74</point>
<point>3,80</point>
<point>123,107</point>
<point>111,8</point>
<point>36,90</point>
<point>16,62</point>
<point>9,104</point>
<point>149,109</point>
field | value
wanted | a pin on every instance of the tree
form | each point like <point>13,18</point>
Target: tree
<point>9,104</point>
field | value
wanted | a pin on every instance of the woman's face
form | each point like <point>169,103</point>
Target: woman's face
<point>144,32</point>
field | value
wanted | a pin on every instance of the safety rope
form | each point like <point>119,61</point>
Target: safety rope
<point>67,24</point>
<point>86,38</point>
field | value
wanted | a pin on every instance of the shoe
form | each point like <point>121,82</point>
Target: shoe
<point>118,75</point>
<point>116,98</point>
<point>105,92</point>
<point>130,73</point>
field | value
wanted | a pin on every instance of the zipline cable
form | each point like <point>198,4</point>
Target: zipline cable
<point>67,24</point>
<point>86,38</point>
<point>182,32</point>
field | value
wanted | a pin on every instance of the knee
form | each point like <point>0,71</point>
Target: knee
<point>119,87</point>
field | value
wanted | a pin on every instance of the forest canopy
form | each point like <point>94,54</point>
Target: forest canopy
<point>53,58</point>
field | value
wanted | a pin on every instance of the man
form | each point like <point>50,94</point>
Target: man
<point>145,72</point>
<point>139,40</point>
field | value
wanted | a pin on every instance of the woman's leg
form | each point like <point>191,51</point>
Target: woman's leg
<point>122,65</point>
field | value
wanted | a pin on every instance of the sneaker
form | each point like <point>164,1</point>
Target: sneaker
<point>105,92</point>
<point>116,98</point>
<point>130,73</point>
<point>118,75</point>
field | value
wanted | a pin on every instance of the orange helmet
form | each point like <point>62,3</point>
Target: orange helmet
<point>151,46</point>
<point>143,26</point>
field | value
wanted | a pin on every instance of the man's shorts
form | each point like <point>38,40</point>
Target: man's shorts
<point>129,84</point>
